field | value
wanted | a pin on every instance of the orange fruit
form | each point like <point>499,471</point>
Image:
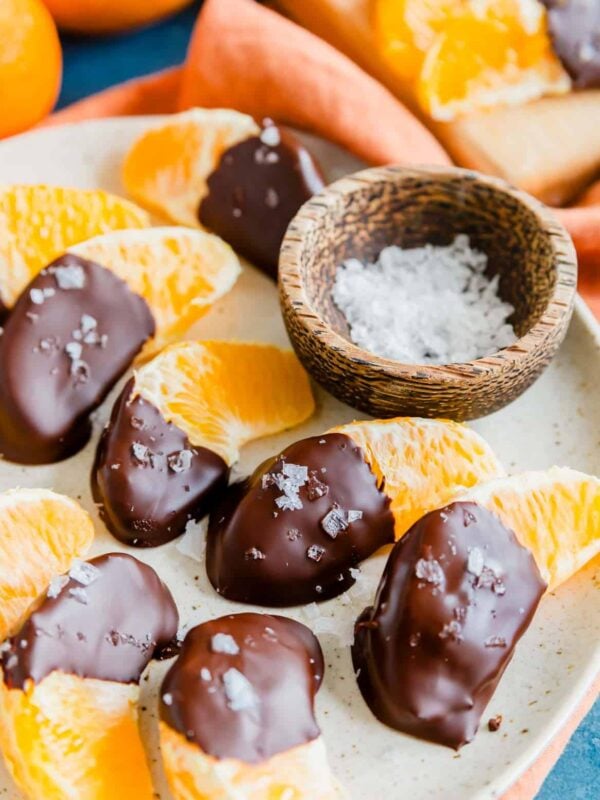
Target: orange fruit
<point>70,737</point>
<point>106,16</point>
<point>38,223</point>
<point>166,168</point>
<point>30,64</point>
<point>179,272</point>
<point>459,56</point>
<point>422,463</point>
<point>301,773</point>
<point>40,534</point>
<point>555,513</point>
<point>223,394</point>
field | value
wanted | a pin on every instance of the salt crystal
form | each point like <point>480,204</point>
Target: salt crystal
<point>83,572</point>
<point>425,305</point>
<point>270,136</point>
<point>167,699</point>
<point>495,641</point>
<point>296,473</point>
<point>88,323</point>
<point>140,452</point>
<point>254,554</point>
<point>57,584</point>
<point>206,674</point>
<point>79,594</point>
<point>338,519</point>
<point>70,277</point>
<point>271,198</point>
<point>224,643</point>
<point>315,552</point>
<point>74,350</point>
<point>430,571</point>
<point>239,691</point>
<point>180,461</point>
<point>36,296</point>
<point>475,562</point>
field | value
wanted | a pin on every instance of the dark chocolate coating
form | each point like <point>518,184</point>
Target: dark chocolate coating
<point>3,312</point>
<point>148,479</point>
<point>457,594</point>
<point>109,630</point>
<point>46,396</point>
<point>282,661</point>
<point>259,553</point>
<point>575,30</point>
<point>254,193</point>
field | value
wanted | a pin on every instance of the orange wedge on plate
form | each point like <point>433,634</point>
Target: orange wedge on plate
<point>460,56</point>
<point>179,272</point>
<point>555,513</point>
<point>167,167</point>
<point>72,737</point>
<point>38,223</point>
<point>40,534</point>
<point>223,394</point>
<point>422,463</point>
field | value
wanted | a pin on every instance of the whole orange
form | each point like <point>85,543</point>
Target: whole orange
<point>30,64</point>
<point>107,16</point>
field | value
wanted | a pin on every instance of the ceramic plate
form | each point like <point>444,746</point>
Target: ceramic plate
<point>557,421</point>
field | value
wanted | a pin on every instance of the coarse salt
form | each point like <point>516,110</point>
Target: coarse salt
<point>425,305</point>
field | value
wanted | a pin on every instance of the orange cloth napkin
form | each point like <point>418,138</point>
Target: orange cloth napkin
<point>246,57</point>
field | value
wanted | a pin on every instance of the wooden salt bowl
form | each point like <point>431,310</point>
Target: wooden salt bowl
<point>360,215</point>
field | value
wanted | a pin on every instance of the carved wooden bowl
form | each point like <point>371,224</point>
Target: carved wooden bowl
<point>360,215</point>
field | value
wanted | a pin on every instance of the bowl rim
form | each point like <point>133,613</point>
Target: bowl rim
<point>292,292</point>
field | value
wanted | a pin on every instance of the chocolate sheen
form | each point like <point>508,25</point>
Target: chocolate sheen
<point>148,479</point>
<point>111,617</point>
<point>575,30</point>
<point>244,687</point>
<point>457,594</point>
<point>256,190</point>
<point>272,544</point>
<point>61,352</point>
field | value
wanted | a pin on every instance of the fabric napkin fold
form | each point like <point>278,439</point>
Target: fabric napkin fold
<point>244,56</point>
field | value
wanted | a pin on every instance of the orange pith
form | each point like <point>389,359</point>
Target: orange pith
<point>40,534</point>
<point>30,64</point>
<point>166,168</point>
<point>458,56</point>
<point>555,513</point>
<point>301,773</point>
<point>39,222</point>
<point>422,463</point>
<point>223,394</point>
<point>180,273</point>
<point>107,16</point>
<point>74,737</point>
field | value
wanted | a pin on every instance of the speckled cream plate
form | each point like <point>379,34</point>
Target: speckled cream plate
<point>557,421</point>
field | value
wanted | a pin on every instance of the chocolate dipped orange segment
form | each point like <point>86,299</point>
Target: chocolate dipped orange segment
<point>70,675</point>
<point>178,426</point>
<point>457,594</point>
<point>41,532</point>
<point>460,56</point>
<point>221,170</point>
<point>72,333</point>
<point>179,273</point>
<point>423,463</point>
<point>295,531</point>
<point>555,513</point>
<point>237,712</point>
<point>38,223</point>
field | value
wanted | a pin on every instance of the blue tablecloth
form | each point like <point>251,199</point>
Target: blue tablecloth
<point>92,64</point>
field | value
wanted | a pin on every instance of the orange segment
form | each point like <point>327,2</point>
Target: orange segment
<point>223,394</point>
<point>555,513</point>
<point>70,737</point>
<point>301,773</point>
<point>38,223</point>
<point>180,273</point>
<point>40,534</point>
<point>460,56</point>
<point>423,463</point>
<point>167,167</point>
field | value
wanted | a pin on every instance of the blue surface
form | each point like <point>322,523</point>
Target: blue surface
<point>94,64</point>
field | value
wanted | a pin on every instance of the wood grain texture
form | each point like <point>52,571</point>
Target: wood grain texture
<point>361,214</point>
